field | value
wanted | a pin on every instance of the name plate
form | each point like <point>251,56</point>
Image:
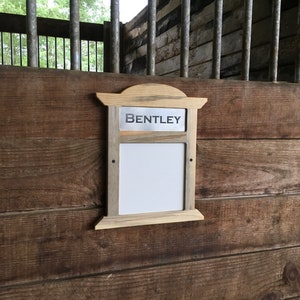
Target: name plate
<point>152,119</point>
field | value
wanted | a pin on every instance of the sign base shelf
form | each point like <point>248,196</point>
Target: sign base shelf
<point>121,221</point>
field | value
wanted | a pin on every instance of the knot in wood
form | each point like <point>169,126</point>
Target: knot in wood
<point>272,296</point>
<point>291,274</point>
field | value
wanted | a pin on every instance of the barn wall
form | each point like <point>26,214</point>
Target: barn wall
<point>201,36</point>
<point>52,192</point>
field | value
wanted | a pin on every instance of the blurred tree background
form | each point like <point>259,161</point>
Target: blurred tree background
<point>54,52</point>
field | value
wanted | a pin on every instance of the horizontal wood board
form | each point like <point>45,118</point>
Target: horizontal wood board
<point>62,104</point>
<point>42,174</point>
<point>53,245</point>
<point>53,137</point>
<point>264,275</point>
<point>53,182</point>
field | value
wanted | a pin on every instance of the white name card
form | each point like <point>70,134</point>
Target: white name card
<point>152,119</point>
<point>151,177</point>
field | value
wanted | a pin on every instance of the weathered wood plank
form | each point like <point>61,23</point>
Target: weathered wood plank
<point>168,42</point>
<point>247,167</point>
<point>168,45</point>
<point>41,103</point>
<point>167,58</point>
<point>44,173</point>
<point>264,275</point>
<point>48,160</point>
<point>202,13</point>
<point>56,104</point>
<point>231,63</point>
<point>51,173</point>
<point>238,111</point>
<point>61,244</point>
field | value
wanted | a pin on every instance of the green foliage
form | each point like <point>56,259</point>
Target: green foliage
<point>54,52</point>
<point>13,7</point>
<point>92,11</point>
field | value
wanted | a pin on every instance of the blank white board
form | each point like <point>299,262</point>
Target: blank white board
<point>151,177</point>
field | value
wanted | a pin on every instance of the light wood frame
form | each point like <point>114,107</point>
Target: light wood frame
<point>158,96</point>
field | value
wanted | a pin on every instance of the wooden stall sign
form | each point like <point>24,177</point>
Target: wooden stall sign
<point>152,132</point>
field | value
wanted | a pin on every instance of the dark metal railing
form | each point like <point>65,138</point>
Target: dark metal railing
<point>297,70</point>
<point>185,37</point>
<point>151,37</point>
<point>32,37</point>
<point>115,36</point>
<point>75,34</point>
<point>247,30</point>
<point>53,44</point>
<point>84,40</point>
<point>217,40</point>
<point>273,69</point>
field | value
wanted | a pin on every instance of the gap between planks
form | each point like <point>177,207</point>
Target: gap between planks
<point>120,271</point>
<point>101,209</point>
<point>51,210</point>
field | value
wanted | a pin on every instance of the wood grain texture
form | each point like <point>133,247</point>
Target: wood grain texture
<point>54,155</point>
<point>235,109</point>
<point>201,49</point>
<point>151,95</point>
<point>247,167</point>
<point>264,275</point>
<point>267,111</point>
<point>40,173</point>
<point>168,43</point>
<point>55,245</point>
<point>201,35</point>
<point>142,219</point>
<point>53,182</point>
<point>51,104</point>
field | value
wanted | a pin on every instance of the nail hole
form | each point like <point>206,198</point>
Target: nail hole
<point>113,161</point>
<point>191,159</point>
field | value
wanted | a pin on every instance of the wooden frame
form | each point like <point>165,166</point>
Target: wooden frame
<point>147,96</point>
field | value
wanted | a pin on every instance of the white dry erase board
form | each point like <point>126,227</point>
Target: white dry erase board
<point>155,182</point>
<point>152,131</point>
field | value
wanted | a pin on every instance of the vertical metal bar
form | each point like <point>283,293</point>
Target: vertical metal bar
<point>96,55</point>
<point>20,45</point>
<point>106,47</point>
<point>217,41</point>
<point>80,59</point>
<point>31,28</point>
<point>11,49</point>
<point>39,52</point>
<point>273,67</point>
<point>64,53</point>
<point>47,52</point>
<point>297,64</point>
<point>88,55</point>
<point>247,31</point>
<point>151,35</point>
<point>115,36</point>
<point>185,37</point>
<point>55,52</point>
<point>75,34</point>
<point>2,50</point>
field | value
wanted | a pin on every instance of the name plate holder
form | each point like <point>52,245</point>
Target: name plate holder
<point>152,136</point>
